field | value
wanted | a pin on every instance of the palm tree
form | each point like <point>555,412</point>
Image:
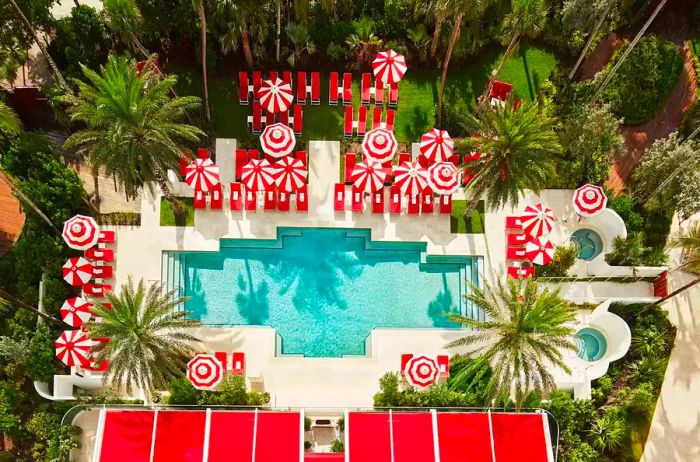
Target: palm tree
<point>432,11</point>
<point>526,18</point>
<point>363,41</point>
<point>299,36</point>
<point>241,22</point>
<point>9,122</point>
<point>199,6</point>
<point>515,146</point>
<point>148,340</point>
<point>462,11</point>
<point>8,301</point>
<point>123,18</point>
<point>522,338</point>
<point>132,128</point>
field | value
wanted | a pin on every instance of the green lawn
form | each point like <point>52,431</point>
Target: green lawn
<point>168,217</point>
<point>417,95</point>
<point>474,226</point>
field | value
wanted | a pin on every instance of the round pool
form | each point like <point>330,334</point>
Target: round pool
<point>587,242</point>
<point>591,344</point>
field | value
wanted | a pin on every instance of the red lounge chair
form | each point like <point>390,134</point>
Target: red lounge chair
<point>298,119</point>
<point>203,153</point>
<point>96,290</point>
<point>269,118</point>
<point>405,358</point>
<point>516,239</point>
<point>200,200</point>
<point>444,365</point>
<point>500,90</point>
<point>284,118</point>
<point>269,202</point>
<point>287,77</point>
<point>517,103</point>
<point>395,200</point>
<point>100,254</point>
<point>394,95</point>
<point>413,205</point>
<point>256,120</point>
<point>467,176</point>
<point>388,168</point>
<point>378,92</point>
<point>378,201</point>
<point>454,159</point>
<point>347,88</point>
<point>101,367</point>
<point>316,89</point>
<point>404,157</point>
<point>426,200</point>
<point>349,166</point>
<point>184,162</point>
<point>521,273</point>
<point>251,201</point>
<point>513,253</point>
<point>283,201</point>
<point>222,356</point>
<point>513,222</point>
<point>365,88</point>
<point>339,197</point>
<point>303,199</point>
<point>241,160</point>
<point>257,83</point>
<point>347,125</point>
<point>253,154</point>
<point>362,122</point>
<point>333,89</point>
<point>106,237</point>
<point>390,117</point>
<point>357,200</point>
<point>376,117</point>
<point>217,198</point>
<point>301,87</point>
<point>235,199</point>
<point>301,155</point>
<point>102,271</point>
<point>273,75</point>
<point>243,91</point>
<point>446,205</point>
<point>238,363</point>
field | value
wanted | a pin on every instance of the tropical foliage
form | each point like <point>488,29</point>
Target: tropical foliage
<point>689,241</point>
<point>231,391</point>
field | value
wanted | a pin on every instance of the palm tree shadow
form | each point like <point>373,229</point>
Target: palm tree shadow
<point>253,303</point>
<point>531,86</point>
<point>195,296</point>
<point>442,304</point>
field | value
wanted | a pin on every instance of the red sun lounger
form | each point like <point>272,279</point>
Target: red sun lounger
<point>253,154</point>
<point>413,205</point>
<point>106,237</point>
<point>516,239</point>
<point>243,91</point>
<point>287,77</point>
<point>454,159</point>
<point>388,168</point>
<point>333,89</point>
<point>303,199</point>
<point>513,222</point>
<point>444,365</point>
<point>256,120</point>
<point>315,88</point>
<point>100,254</point>
<point>362,122</point>
<point>284,118</point>
<point>378,201</point>
<point>257,83</point>
<point>200,200</point>
<point>202,153</point>
<point>365,87</point>
<point>446,204</point>
<point>269,202</point>
<point>269,118</point>
<point>184,162</point>
<point>376,117</point>
<point>500,90</point>
<point>339,197</point>
<point>395,200</point>
<point>251,201</point>
<point>301,155</point>
<point>241,160</point>
<point>283,201</point>
<point>236,198</point>
<point>217,198</point>
<point>298,119</point>
<point>357,200</point>
<point>378,92</point>
<point>347,88</point>
<point>349,166</point>
<point>301,87</point>
<point>238,363</point>
<point>426,201</point>
<point>394,95</point>
<point>347,124</point>
<point>273,75</point>
<point>404,157</point>
<point>521,273</point>
<point>390,117</point>
<point>96,290</point>
<point>102,271</point>
<point>513,253</point>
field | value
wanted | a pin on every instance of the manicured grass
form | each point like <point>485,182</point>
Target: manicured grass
<point>417,95</point>
<point>168,217</point>
<point>473,226</point>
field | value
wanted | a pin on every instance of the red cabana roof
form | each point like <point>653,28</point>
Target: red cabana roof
<point>276,436</point>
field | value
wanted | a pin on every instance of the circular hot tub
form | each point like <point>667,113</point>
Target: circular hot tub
<point>588,243</point>
<point>591,344</point>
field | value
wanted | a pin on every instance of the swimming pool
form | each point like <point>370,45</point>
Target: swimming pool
<point>588,243</point>
<point>592,344</point>
<point>322,289</point>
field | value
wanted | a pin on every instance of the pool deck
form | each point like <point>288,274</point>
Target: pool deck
<point>320,382</point>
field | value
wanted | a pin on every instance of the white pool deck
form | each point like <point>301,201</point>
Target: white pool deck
<point>336,382</point>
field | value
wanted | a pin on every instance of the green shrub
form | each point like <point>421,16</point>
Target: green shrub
<point>564,258</point>
<point>41,362</point>
<point>624,206</point>
<point>231,391</point>
<point>645,79</point>
<point>631,251</point>
<point>337,446</point>
<point>607,433</point>
<point>335,52</point>
<point>435,396</point>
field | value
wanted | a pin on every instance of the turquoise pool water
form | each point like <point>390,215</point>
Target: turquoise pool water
<point>592,344</point>
<point>323,290</point>
<point>588,243</point>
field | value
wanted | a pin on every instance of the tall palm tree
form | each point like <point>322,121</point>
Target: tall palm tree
<point>200,7</point>
<point>515,147</point>
<point>522,339</point>
<point>148,340</point>
<point>9,122</point>
<point>124,18</point>
<point>461,11</point>
<point>240,23</point>
<point>132,128</point>
<point>526,19</point>
<point>431,10</point>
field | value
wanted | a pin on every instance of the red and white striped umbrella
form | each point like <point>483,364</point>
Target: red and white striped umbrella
<point>539,251</point>
<point>278,140</point>
<point>411,178</point>
<point>443,178</point>
<point>379,145</point>
<point>73,348</point>
<point>77,271</point>
<point>202,174</point>
<point>80,232</point>
<point>290,174</point>
<point>368,176</point>
<point>258,175</point>
<point>421,371</point>
<point>537,220</point>
<point>436,146</point>
<point>589,200</point>
<point>205,371</point>
<point>75,311</point>
<point>389,66</point>
<point>275,95</point>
